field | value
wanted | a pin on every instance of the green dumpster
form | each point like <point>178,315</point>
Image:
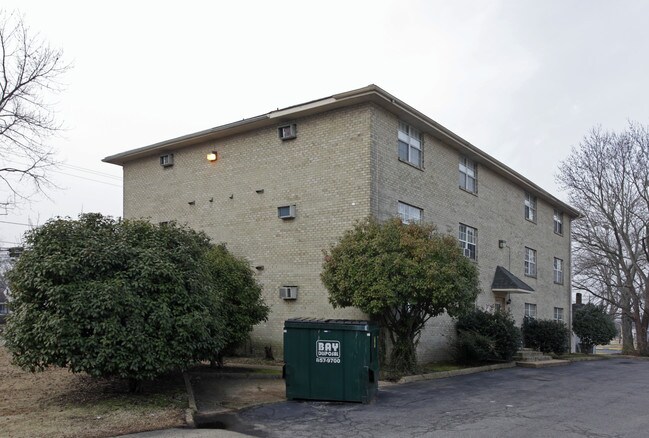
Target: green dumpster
<point>331,359</point>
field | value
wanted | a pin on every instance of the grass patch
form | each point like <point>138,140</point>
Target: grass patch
<point>248,360</point>
<point>426,368</point>
<point>435,367</point>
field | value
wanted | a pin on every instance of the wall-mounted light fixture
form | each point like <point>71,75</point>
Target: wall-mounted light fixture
<point>212,156</point>
<point>502,243</point>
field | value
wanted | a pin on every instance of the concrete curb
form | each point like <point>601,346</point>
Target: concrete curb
<point>190,412</point>
<point>543,363</point>
<point>453,373</point>
<point>587,358</point>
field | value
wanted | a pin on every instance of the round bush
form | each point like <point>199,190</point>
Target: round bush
<point>498,327</point>
<point>546,335</point>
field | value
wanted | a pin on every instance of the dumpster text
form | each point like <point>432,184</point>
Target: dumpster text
<point>327,351</point>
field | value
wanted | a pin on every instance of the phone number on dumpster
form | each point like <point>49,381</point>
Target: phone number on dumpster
<point>327,360</point>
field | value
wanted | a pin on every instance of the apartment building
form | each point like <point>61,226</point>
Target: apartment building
<point>282,187</point>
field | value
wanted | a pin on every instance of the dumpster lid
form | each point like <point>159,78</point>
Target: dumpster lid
<point>338,324</point>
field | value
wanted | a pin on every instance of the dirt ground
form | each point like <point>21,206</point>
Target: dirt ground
<point>236,386</point>
<point>57,403</point>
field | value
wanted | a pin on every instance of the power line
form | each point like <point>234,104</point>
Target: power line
<point>81,169</point>
<point>95,172</point>
<point>83,177</point>
<point>15,223</point>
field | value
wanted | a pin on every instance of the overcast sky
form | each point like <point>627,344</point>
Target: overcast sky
<point>522,80</point>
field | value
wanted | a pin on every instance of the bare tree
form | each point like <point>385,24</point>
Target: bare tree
<point>607,178</point>
<point>29,74</point>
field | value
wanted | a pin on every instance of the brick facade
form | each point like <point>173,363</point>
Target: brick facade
<point>342,166</point>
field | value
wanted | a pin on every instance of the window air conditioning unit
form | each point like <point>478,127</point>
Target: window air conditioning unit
<point>287,132</point>
<point>467,252</point>
<point>167,160</point>
<point>288,292</point>
<point>286,212</point>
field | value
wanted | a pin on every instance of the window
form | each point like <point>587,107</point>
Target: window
<point>4,309</point>
<point>167,160</point>
<point>530,310</point>
<point>558,314</point>
<point>530,262</point>
<point>530,207</point>
<point>558,271</point>
<point>408,213</point>
<point>558,222</point>
<point>287,132</point>
<point>468,177</point>
<point>468,238</point>
<point>409,140</point>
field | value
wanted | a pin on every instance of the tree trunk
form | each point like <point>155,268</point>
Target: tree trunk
<point>641,338</point>
<point>627,329</point>
<point>134,386</point>
<point>383,347</point>
<point>403,357</point>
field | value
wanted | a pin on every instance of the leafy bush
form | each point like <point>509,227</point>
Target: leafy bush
<point>401,275</point>
<point>240,297</point>
<point>473,348</point>
<point>546,335</point>
<point>485,336</point>
<point>593,326</point>
<point>113,298</point>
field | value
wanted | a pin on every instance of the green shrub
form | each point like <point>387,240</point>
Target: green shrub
<point>485,336</point>
<point>240,297</point>
<point>473,348</point>
<point>593,326</point>
<point>110,297</point>
<point>545,335</point>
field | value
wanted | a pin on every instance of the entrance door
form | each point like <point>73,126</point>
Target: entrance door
<point>500,303</point>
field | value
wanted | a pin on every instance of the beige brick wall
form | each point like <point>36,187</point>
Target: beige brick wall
<point>342,166</point>
<point>325,172</point>
<point>496,212</point>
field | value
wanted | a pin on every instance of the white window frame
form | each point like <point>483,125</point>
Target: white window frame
<point>409,213</point>
<point>558,270</point>
<point>410,138</point>
<point>558,314</point>
<point>286,211</point>
<point>530,207</point>
<point>468,239</point>
<point>468,175</point>
<point>530,310</point>
<point>558,222</point>
<point>530,262</point>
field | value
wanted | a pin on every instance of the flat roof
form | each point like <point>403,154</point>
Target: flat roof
<point>371,93</point>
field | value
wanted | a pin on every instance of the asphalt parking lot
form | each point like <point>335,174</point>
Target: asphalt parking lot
<point>606,398</point>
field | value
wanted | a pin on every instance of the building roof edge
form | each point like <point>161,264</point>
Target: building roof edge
<point>371,92</point>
